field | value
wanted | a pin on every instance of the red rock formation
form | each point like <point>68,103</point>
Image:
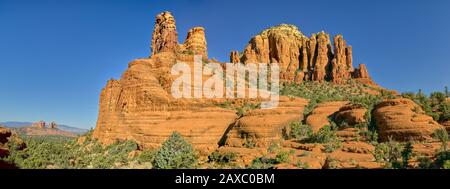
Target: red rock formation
<point>303,58</point>
<point>361,72</point>
<point>351,114</point>
<point>403,120</point>
<point>40,124</point>
<point>349,55</point>
<point>234,57</point>
<point>280,44</point>
<point>140,107</point>
<point>312,46</point>
<point>319,117</point>
<point>322,57</point>
<point>165,36</point>
<point>261,127</point>
<point>340,68</point>
<point>196,42</point>
<point>53,125</point>
<point>4,135</point>
<point>304,63</point>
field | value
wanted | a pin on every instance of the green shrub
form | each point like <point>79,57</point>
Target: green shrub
<point>282,157</point>
<point>40,153</point>
<point>265,162</point>
<point>435,105</point>
<point>274,147</point>
<point>331,163</point>
<point>323,92</point>
<point>310,107</point>
<point>67,153</point>
<point>324,135</point>
<point>441,158</point>
<point>447,94</point>
<point>302,165</point>
<point>249,142</point>
<point>441,135</point>
<point>241,111</point>
<point>262,163</point>
<point>175,153</point>
<point>389,153</point>
<point>425,163</point>
<point>146,156</point>
<point>298,130</point>
<point>446,164</point>
<point>370,135</point>
<point>332,146</point>
<point>222,158</point>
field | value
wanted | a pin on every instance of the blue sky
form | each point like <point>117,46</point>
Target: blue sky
<point>55,56</point>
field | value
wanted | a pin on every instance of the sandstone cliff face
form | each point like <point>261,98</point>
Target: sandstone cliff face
<point>403,120</point>
<point>342,61</point>
<point>139,107</point>
<point>322,57</point>
<point>302,58</point>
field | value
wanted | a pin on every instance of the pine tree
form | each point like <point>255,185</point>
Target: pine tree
<point>406,154</point>
<point>446,92</point>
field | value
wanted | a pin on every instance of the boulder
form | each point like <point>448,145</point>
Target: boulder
<point>261,127</point>
<point>351,114</point>
<point>403,120</point>
<point>321,114</point>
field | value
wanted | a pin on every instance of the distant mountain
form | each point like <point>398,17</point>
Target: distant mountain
<point>72,129</point>
<point>17,124</point>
